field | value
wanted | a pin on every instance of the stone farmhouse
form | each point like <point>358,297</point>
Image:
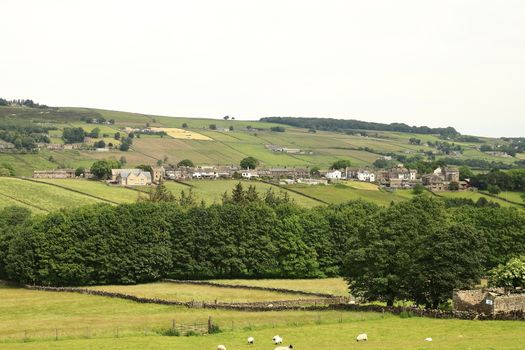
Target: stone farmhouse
<point>398,177</point>
<point>333,175</point>
<point>54,174</point>
<point>441,178</point>
<point>359,174</point>
<point>131,177</point>
<point>488,301</point>
<point>284,173</point>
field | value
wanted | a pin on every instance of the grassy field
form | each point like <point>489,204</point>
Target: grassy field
<point>340,193</point>
<point>92,322</point>
<point>335,286</point>
<point>42,197</point>
<point>475,196</point>
<point>248,138</point>
<point>190,292</point>
<point>177,133</point>
<point>95,188</point>
<point>212,191</point>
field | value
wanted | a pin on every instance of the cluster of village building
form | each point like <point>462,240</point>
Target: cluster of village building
<point>395,178</point>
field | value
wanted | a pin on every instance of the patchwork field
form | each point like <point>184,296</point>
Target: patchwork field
<point>341,193</point>
<point>335,286</point>
<point>212,191</point>
<point>475,196</point>
<point>42,197</point>
<point>198,293</point>
<point>34,319</point>
<point>177,133</point>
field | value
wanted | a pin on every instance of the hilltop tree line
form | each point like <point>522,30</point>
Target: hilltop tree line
<point>330,124</point>
<point>417,250</point>
<point>21,102</point>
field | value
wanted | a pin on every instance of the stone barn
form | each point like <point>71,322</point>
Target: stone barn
<point>488,301</point>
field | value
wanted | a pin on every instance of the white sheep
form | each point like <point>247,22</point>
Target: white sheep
<point>284,347</point>
<point>362,337</point>
<point>428,339</point>
<point>221,347</point>
<point>277,340</point>
<point>250,340</point>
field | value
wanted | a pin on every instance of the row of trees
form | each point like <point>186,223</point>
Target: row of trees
<point>331,124</point>
<point>418,250</point>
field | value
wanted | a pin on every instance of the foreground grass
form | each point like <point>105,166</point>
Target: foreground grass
<point>38,315</point>
<point>387,333</point>
<point>191,292</point>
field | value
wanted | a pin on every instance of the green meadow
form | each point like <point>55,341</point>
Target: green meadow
<point>48,320</point>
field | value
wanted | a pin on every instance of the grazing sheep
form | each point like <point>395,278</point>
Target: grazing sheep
<point>277,340</point>
<point>428,339</point>
<point>362,337</point>
<point>221,347</point>
<point>250,340</point>
<point>284,347</point>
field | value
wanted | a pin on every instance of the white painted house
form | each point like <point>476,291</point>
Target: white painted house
<point>248,174</point>
<point>333,175</point>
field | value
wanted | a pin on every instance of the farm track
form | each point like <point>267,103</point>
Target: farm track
<point>70,189</point>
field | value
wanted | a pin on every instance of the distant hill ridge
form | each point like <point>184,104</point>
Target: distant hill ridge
<point>331,124</point>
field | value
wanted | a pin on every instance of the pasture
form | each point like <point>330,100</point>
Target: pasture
<point>340,193</point>
<point>42,197</point>
<point>211,191</point>
<point>177,133</point>
<point>334,286</point>
<point>35,319</point>
<point>475,196</point>
<point>198,293</point>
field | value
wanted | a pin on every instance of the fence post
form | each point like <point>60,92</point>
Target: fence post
<point>56,333</point>
<point>117,333</point>
<point>173,324</point>
<point>209,325</point>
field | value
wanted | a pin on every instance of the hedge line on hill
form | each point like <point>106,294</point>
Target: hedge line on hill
<point>393,248</point>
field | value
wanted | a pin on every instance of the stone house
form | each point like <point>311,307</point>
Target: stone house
<point>133,177</point>
<point>157,174</point>
<point>488,301</point>
<point>440,179</point>
<point>54,174</point>
<point>249,174</point>
<point>434,182</point>
<point>359,174</point>
<point>447,173</point>
<point>333,175</point>
<point>284,173</point>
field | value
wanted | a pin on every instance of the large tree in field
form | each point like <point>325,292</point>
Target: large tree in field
<point>249,163</point>
<point>340,164</point>
<point>101,169</point>
<point>411,251</point>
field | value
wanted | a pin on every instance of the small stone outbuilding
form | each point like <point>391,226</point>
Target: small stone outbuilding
<point>488,301</point>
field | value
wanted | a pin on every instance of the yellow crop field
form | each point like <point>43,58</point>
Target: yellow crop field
<point>177,133</point>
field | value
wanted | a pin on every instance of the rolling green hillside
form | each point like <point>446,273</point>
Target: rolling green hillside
<point>226,143</point>
<point>248,138</point>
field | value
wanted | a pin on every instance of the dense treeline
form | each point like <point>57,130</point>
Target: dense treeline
<point>417,250</point>
<point>512,180</point>
<point>330,124</point>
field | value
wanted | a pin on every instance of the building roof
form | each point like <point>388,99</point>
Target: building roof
<point>127,172</point>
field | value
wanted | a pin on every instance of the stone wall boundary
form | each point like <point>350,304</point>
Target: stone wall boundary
<point>243,286</point>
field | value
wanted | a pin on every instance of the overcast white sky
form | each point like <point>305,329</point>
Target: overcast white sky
<point>435,63</point>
